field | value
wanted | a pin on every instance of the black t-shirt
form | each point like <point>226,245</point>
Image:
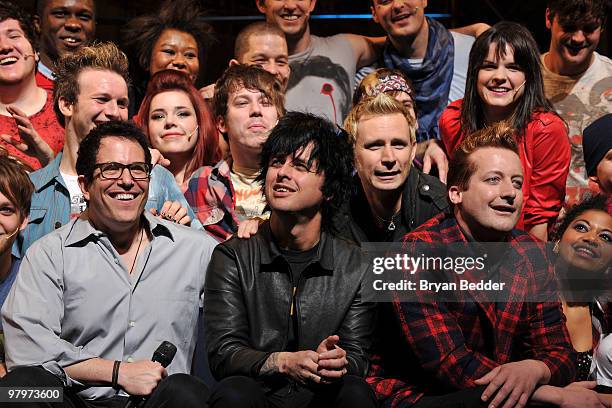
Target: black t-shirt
<point>298,261</point>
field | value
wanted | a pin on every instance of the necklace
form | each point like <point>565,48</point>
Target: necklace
<point>390,223</point>
<point>137,250</point>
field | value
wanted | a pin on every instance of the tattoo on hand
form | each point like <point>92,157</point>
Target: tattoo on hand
<point>271,365</point>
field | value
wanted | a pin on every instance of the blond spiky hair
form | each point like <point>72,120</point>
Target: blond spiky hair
<point>380,105</point>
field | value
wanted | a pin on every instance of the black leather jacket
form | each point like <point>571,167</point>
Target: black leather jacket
<point>423,197</point>
<point>248,296</point>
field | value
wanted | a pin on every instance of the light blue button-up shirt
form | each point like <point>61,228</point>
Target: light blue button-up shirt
<point>74,299</point>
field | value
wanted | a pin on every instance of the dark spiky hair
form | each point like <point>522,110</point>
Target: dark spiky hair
<point>331,155</point>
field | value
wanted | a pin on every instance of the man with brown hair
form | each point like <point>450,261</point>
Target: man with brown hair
<point>97,302</point>
<point>29,131</point>
<point>473,345</point>
<point>247,105</point>
<point>90,88</point>
<point>577,80</point>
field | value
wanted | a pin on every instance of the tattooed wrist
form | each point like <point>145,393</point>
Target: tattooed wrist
<point>271,365</point>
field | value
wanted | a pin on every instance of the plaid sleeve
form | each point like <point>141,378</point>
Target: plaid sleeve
<point>438,342</point>
<point>211,200</point>
<point>390,392</point>
<point>436,337</point>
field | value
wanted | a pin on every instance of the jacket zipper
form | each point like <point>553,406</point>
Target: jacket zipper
<point>292,302</point>
<point>295,309</point>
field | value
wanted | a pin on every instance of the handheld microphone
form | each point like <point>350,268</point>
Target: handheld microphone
<point>11,235</point>
<point>164,354</point>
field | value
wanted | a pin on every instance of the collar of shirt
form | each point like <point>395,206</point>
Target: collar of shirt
<point>48,174</point>
<point>270,252</point>
<point>83,230</point>
<point>45,71</point>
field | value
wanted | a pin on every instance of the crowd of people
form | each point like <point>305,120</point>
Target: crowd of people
<point>166,246</point>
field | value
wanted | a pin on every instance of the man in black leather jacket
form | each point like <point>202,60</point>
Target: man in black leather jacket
<point>391,197</point>
<point>285,321</point>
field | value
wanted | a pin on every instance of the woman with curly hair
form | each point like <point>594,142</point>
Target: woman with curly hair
<point>174,37</point>
<point>583,257</point>
<point>179,124</point>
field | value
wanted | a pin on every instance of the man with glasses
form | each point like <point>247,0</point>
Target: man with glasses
<point>90,89</point>
<point>94,299</point>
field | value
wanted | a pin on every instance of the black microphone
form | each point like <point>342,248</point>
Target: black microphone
<point>164,356</point>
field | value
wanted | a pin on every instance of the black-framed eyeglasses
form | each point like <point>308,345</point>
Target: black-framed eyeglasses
<point>114,170</point>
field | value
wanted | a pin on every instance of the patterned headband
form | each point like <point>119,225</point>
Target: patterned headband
<point>391,83</point>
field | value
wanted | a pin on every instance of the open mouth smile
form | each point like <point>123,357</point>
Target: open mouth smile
<point>71,42</point>
<point>585,252</point>
<point>504,209</point>
<point>401,17</point>
<point>8,60</point>
<point>282,188</point>
<point>123,196</point>
<point>502,90</point>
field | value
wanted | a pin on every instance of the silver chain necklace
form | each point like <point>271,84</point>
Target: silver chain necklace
<point>390,223</point>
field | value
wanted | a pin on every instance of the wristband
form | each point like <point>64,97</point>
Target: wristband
<point>114,383</point>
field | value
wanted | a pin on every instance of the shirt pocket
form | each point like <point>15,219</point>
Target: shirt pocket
<point>37,215</point>
<point>181,322</point>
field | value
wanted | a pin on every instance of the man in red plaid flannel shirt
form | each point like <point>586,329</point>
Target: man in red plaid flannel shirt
<point>248,103</point>
<point>475,352</point>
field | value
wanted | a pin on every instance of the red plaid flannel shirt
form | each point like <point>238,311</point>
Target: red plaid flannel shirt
<point>211,196</point>
<point>441,347</point>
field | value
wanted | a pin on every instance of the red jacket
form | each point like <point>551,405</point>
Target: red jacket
<point>545,154</point>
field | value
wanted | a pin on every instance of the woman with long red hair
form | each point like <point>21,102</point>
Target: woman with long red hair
<point>179,124</point>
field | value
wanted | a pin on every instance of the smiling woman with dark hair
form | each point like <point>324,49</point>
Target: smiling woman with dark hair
<point>504,83</point>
